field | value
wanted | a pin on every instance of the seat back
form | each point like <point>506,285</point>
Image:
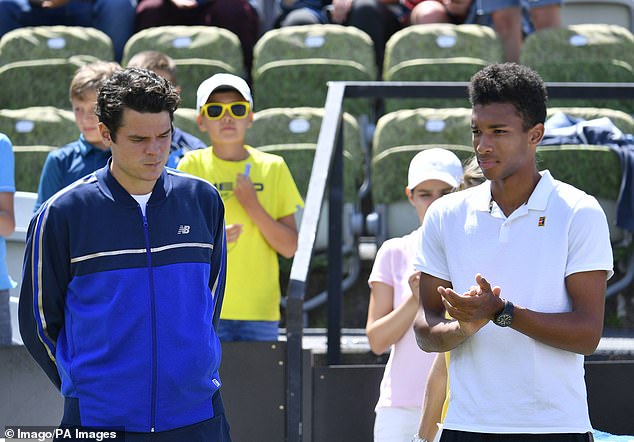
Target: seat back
<point>438,52</point>
<point>292,133</point>
<point>44,42</point>
<point>597,170</point>
<point>38,125</point>
<point>292,65</point>
<point>422,126</point>
<point>289,129</point>
<point>191,72</point>
<point>396,216</point>
<point>29,161</point>
<point>183,41</point>
<point>39,82</point>
<point>185,119</point>
<point>583,53</point>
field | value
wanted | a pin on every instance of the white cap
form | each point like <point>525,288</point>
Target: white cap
<point>216,81</point>
<point>435,164</point>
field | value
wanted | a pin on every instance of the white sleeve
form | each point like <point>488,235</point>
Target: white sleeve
<point>431,256</point>
<point>589,245</point>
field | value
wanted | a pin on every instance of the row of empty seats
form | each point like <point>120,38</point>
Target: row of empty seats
<point>293,133</point>
<point>292,66</point>
<point>300,126</point>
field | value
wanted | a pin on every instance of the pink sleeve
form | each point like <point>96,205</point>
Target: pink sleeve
<point>383,268</point>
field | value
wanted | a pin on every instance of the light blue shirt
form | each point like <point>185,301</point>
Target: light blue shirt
<point>7,184</point>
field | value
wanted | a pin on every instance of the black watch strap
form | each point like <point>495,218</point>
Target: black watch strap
<point>504,318</point>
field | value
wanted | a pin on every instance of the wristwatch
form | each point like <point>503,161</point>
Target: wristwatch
<point>504,318</point>
<point>415,438</point>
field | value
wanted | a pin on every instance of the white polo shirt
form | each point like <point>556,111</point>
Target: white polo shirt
<point>501,380</point>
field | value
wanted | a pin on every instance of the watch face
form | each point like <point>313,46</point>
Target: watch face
<point>504,320</point>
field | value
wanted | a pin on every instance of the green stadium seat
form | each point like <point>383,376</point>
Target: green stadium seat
<point>583,53</point>
<point>594,169</point>
<point>399,135</point>
<point>190,72</point>
<point>189,42</point>
<point>422,126</point>
<point>29,161</point>
<point>292,65</point>
<point>185,119</point>
<point>43,42</point>
<point>39,82</point>
<point>438,52</point>
<point>198,52</point>
<point>393,214</point>
<point>292,133</point>
<point>41,125</point>
<point>300,127</point>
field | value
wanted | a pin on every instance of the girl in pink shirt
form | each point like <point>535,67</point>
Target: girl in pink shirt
<point>394,303</point>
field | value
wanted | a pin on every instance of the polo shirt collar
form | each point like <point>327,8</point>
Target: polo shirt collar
<point>537,201</point>
<point>539,198</point>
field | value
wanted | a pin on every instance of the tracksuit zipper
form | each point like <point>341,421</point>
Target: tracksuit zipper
<point>153,318</point>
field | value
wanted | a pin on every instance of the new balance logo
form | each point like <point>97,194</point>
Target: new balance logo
<point>183,230</point>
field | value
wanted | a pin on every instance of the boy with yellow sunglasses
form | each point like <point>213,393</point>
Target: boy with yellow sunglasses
<point>260,198</point>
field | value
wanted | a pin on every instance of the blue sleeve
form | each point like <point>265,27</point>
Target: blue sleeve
<point>45,277</point>
<point>51,180</point>
<point>7,163</point>
<point>218,272</point>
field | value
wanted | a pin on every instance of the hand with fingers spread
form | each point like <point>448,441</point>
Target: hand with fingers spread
<point>474,308</point>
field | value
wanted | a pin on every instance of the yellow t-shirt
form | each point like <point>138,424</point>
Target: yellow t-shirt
<point>252,291</point>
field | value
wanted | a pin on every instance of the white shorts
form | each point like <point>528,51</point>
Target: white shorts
<point>396,424</point>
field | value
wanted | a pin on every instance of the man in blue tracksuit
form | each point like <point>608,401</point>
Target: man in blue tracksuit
<point>124,277</point>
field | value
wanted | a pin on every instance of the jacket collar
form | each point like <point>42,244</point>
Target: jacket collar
<point>114,191</point>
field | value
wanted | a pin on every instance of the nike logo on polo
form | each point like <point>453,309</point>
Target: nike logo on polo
<point>183,229</point>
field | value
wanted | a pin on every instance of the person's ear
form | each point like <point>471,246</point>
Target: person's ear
<point>536,133</point>
<point>199,122</point>
<point>410,195</point>
<point>105,134</point>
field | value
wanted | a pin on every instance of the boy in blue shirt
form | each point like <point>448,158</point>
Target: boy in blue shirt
<point>67,164</point>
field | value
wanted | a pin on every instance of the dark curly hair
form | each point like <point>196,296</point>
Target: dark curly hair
<point>511,83</point>
<point>134,88</point>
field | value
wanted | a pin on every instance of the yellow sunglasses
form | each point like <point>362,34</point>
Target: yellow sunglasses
<point>215,111</point>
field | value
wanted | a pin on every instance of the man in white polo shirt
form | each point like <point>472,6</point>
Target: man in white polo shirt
<point>520,263</point>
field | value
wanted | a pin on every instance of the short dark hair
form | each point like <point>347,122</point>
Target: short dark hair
<point>134,88</point>
<point>511,83</point>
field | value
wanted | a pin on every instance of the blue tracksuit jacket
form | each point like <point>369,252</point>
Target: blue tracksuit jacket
<point>119,308</point>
